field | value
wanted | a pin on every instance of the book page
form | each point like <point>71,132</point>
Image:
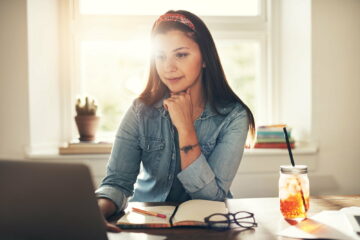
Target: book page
<point>135,218</point>
<point>323,225</point>
<point>197,210</point>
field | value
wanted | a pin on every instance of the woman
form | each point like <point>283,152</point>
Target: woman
<point>183,138</point>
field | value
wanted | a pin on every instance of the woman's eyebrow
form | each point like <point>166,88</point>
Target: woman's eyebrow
<point>180,48</point>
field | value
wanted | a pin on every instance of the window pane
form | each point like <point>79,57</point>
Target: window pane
<point>157,7</point>
<point>240,60</point>
<point>114,72</point>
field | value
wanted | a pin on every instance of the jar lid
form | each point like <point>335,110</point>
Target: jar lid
<point>298,169</point>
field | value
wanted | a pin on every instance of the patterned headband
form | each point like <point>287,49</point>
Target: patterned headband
<point>175,17</point>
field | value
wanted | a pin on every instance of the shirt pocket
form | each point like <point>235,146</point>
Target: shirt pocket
<point>152,149</point>
<point>207,148</point>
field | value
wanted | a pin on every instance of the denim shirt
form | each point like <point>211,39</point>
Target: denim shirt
<point>143,159</point>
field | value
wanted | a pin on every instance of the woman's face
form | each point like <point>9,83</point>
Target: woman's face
<point>178,60</point>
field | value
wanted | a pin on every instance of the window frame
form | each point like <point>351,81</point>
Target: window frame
<point>262,28</point>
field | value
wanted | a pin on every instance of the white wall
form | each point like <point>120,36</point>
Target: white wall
<point>29,77</point>
<point>336,93</point>
<point>14,111</point>
<point>335,85</point>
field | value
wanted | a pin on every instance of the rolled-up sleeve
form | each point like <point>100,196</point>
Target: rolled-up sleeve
<point>115,195</point>
<point>193,184</point>
<point>211,178</point>
<point>124,163</point>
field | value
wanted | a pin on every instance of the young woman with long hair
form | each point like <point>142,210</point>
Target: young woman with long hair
<point>183,137</point>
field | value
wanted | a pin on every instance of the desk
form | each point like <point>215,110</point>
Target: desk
<point>266,212</point>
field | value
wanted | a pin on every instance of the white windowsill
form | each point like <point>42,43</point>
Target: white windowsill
<point>69,157</point>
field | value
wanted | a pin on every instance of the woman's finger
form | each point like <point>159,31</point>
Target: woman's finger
<point>112,228</point>
<point>165,105</point>
<point>174,96</point>
<point>178,97</point>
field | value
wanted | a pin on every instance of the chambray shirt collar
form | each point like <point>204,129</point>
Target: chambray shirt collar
<point>208,112</point>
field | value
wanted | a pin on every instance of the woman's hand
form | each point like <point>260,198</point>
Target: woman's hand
<point>111,227</point>
<point>181,110</point>
<point>181,113</point>
<point>107,208</point>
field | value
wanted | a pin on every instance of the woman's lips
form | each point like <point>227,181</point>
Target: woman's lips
<point>173,80</point>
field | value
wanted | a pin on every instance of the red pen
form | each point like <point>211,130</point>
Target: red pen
<point>148,213</point>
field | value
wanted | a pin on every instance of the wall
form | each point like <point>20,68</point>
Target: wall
<point>336,94</point>
<point>29,77</point>
<point>14,108</point>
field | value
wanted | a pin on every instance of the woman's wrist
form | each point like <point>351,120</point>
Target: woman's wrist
<point>187,138</point>
<point>188,148</point>
<point>107,207</point>
<point>187,132</point>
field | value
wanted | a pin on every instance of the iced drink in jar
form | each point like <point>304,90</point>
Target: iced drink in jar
<point>294,192</point>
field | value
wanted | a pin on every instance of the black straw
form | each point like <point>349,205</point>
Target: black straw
<point>289,148</point>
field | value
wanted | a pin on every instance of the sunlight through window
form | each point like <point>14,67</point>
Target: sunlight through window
<point>114,53</point>
<point>156,7</point>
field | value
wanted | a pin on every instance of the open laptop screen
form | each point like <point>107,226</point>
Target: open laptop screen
<point>43,200</point>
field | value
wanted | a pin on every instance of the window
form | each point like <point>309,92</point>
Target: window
<point>112,50</point>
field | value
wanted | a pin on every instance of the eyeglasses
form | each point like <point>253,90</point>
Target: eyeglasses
<point>219,221</point>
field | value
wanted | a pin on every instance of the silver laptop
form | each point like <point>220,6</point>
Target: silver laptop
<point>48,201</point>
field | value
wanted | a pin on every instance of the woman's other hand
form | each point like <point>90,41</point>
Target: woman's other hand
<point>180,109</point>
<point>108,208</point>
<point>111,227</point>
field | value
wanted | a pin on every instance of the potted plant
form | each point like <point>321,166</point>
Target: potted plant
<point>86,119</point>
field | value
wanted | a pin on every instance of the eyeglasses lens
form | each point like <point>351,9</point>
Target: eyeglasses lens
<point>245,219</point>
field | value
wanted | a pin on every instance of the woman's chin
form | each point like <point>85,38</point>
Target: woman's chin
<point>176,90</point>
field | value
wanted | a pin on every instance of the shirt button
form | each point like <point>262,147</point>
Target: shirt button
<point>169,177</point>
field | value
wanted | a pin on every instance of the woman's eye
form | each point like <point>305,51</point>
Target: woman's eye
<point>181,55</point>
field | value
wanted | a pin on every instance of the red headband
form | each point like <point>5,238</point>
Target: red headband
<point>175,17</point>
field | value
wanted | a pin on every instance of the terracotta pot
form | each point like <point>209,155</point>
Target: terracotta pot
<point>87,126</point>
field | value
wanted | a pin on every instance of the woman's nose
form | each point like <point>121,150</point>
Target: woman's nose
<point>170,65</point>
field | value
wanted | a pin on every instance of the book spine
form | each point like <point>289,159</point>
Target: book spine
<point>172,216</point>
<point>273,140</point>
<point>278,134</point>
<point>273,145</point>
<point>272,129</point>
<point>273,126</point>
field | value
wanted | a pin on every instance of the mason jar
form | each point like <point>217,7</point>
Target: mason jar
<point>294,192</point>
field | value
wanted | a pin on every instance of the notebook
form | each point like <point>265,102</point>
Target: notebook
<point>190,213</point>
<point>48,201</point>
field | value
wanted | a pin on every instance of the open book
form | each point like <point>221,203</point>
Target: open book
<point>189,213</point>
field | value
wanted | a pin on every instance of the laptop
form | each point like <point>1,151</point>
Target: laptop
<point>43,200</point>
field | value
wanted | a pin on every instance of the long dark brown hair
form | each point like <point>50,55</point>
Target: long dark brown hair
<point>215,86</point>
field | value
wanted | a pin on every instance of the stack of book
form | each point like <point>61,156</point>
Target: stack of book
<point>272,136</point>
<point>77,147</point>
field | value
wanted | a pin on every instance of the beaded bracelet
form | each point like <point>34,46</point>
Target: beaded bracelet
<point>188,147</point>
